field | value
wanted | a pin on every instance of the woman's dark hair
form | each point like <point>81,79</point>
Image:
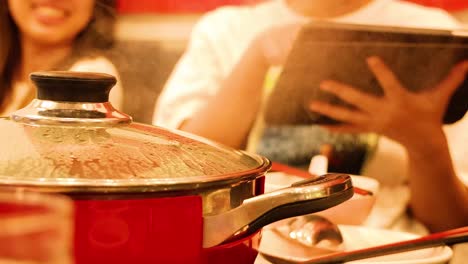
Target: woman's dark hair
<point>96,37</point>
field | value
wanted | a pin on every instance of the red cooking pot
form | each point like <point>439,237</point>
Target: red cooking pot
<point>144,194</point>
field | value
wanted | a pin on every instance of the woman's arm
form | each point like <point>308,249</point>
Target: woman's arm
<point>226,105</point>
<point>228,116</point>
<point>438,198</point>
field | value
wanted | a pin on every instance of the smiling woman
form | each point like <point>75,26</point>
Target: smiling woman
<point>52,35</point>
<point>50,22</point>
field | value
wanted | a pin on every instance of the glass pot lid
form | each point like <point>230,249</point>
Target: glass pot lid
<point>71,136</point>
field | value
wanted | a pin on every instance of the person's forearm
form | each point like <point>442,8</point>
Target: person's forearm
<point>227,118</point>
<point>438,198</point>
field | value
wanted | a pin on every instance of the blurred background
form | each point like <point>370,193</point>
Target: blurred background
<point>171,20</point>
<point>162,27</point>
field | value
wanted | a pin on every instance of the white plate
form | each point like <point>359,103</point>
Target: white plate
<point>355,237</point>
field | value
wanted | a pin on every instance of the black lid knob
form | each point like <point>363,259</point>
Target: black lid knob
<point>69,86</point>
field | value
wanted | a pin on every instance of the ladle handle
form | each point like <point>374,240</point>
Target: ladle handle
<point>68,86</point>
<point>450,237</point>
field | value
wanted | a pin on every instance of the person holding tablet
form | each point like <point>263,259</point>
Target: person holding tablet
<point>217,88</point>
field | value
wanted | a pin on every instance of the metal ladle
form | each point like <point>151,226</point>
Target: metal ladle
<point>312,231</point>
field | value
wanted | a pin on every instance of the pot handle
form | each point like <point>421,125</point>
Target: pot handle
<point>304,197</point>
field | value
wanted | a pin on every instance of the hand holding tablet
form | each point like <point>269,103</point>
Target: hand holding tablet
<point>419,58</point>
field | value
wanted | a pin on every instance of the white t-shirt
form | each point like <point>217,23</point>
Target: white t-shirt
<point>221,37</point>
<point>22,92</point>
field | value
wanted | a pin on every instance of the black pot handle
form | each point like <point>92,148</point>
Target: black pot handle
<point>69,86</point>
<point>304,197</point>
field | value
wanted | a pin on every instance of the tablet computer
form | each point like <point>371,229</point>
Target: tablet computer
<point>420,58</point>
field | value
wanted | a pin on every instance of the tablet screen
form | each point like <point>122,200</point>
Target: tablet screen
<point>420,58</point>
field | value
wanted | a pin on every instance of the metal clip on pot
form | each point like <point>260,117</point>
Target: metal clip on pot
<point>303,197</point>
